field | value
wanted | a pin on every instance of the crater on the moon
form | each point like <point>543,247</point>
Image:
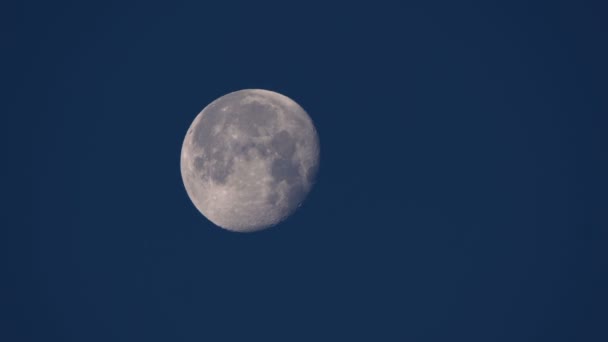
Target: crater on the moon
<point>249,159</point>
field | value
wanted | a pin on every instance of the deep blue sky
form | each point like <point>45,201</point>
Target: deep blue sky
<point>462,194</point>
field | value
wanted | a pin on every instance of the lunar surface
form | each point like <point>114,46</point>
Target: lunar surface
<point>249,159</point>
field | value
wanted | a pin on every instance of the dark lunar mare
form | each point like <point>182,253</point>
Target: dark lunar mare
<point>250,119</point>
<point>285,169</point>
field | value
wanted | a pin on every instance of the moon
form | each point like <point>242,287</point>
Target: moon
<point>249,159</point>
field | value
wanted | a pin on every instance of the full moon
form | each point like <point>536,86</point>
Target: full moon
<point>249,159</point>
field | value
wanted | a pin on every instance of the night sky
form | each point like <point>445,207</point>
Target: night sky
<point>461,196</point>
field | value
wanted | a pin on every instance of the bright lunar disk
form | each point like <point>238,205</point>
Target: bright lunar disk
<point>249,159</point>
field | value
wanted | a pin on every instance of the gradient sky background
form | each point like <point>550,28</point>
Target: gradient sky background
<point>462,194</point>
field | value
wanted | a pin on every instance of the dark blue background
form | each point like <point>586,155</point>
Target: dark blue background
<point>462,194</point>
